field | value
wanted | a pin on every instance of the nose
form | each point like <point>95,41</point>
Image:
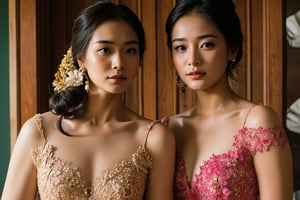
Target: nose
<point>194,58</point>
<point>117,62</point>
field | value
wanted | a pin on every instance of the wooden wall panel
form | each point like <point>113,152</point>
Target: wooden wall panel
<point>44,63</point>
<point>266,57</point>
<point>166,82</point>
<point>256,51</point>
<point>14,94</point>
<point>273,54</point>
<point>28,69</point>
<point>149,83</point>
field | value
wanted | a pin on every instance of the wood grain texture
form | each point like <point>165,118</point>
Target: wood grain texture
<point>28,64</point>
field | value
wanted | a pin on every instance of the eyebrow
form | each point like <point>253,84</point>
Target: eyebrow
<point>200,37</point>
<point>111,42</point>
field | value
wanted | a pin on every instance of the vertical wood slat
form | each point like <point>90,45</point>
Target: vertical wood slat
<point>14,108</point>
<point>248,48</point>
<point>166,90</point>
<point>140,74</point>
<point>28,37</point>
<point>257,53</point>
<point>265,49</point>
<point>43,53</point>
<point>273,54</point>
<point>150,60</point>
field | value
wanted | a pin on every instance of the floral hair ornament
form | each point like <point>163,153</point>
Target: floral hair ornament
<point>68,75</point>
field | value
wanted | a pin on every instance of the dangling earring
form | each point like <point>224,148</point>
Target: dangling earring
<point>232,62</point>
<point>86,82</point>
<point>180,84</point>
<point>182,89</point>
<point>232,73</point>
<point>230,67</point>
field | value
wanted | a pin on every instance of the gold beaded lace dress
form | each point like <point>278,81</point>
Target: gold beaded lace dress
<point>59,179</point>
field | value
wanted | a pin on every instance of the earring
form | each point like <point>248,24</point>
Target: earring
<point>182,88</point>
<point>180,84</point>
<point>233,61</point>
<point>86,82</point>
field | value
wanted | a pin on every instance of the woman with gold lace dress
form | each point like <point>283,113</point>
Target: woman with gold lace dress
<point>90,145</point>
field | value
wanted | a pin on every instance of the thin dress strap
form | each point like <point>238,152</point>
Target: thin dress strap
<point>248,115</point>
<point>38,122</point>
<point>150,126</point>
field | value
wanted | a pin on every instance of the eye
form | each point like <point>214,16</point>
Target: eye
<point>131,51</point>
<point>179,48</point>
<point>104,50</point>
<point>207,45</point>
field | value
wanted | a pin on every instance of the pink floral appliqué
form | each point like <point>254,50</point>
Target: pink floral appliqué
<point>231,175</point>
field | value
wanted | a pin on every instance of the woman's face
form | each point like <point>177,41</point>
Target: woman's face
<point>199,52</point>
<point>112,58</point>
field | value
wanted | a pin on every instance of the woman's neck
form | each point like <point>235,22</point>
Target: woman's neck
<point>209,102</point>
<point>104,108</point>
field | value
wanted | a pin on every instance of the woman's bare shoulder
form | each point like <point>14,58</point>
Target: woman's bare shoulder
<point>36,124</point>
<point>263,116</point>
<point>29,136</point>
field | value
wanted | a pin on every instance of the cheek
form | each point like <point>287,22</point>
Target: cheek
<point>137,62</point>
<point>133,65</point>
<point>178,61</point>
<point>134,70</point>
<point>94,63</point>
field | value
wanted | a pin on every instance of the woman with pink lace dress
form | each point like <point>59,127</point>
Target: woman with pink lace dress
<point>227,147</point>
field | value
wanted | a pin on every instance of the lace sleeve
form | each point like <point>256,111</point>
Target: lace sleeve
<point>260,139</point>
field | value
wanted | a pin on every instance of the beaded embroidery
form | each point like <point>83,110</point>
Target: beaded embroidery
<point>59,179</point>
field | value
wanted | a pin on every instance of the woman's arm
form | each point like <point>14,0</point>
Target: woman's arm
<point>161,146</point>
<point>274,172</point>
<point>274,166</point>
<point>20,183</point>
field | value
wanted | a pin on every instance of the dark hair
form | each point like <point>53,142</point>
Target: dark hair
<point>70,102</point>
<point>222,13</point>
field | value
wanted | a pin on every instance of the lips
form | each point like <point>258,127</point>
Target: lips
<point>117,78</point>
<point>195,75</point>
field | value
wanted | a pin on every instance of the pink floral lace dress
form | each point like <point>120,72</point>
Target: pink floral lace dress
<point>231,175</point>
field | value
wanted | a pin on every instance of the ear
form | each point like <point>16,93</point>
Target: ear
<point>232,52</point>
<point>80,61</point>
